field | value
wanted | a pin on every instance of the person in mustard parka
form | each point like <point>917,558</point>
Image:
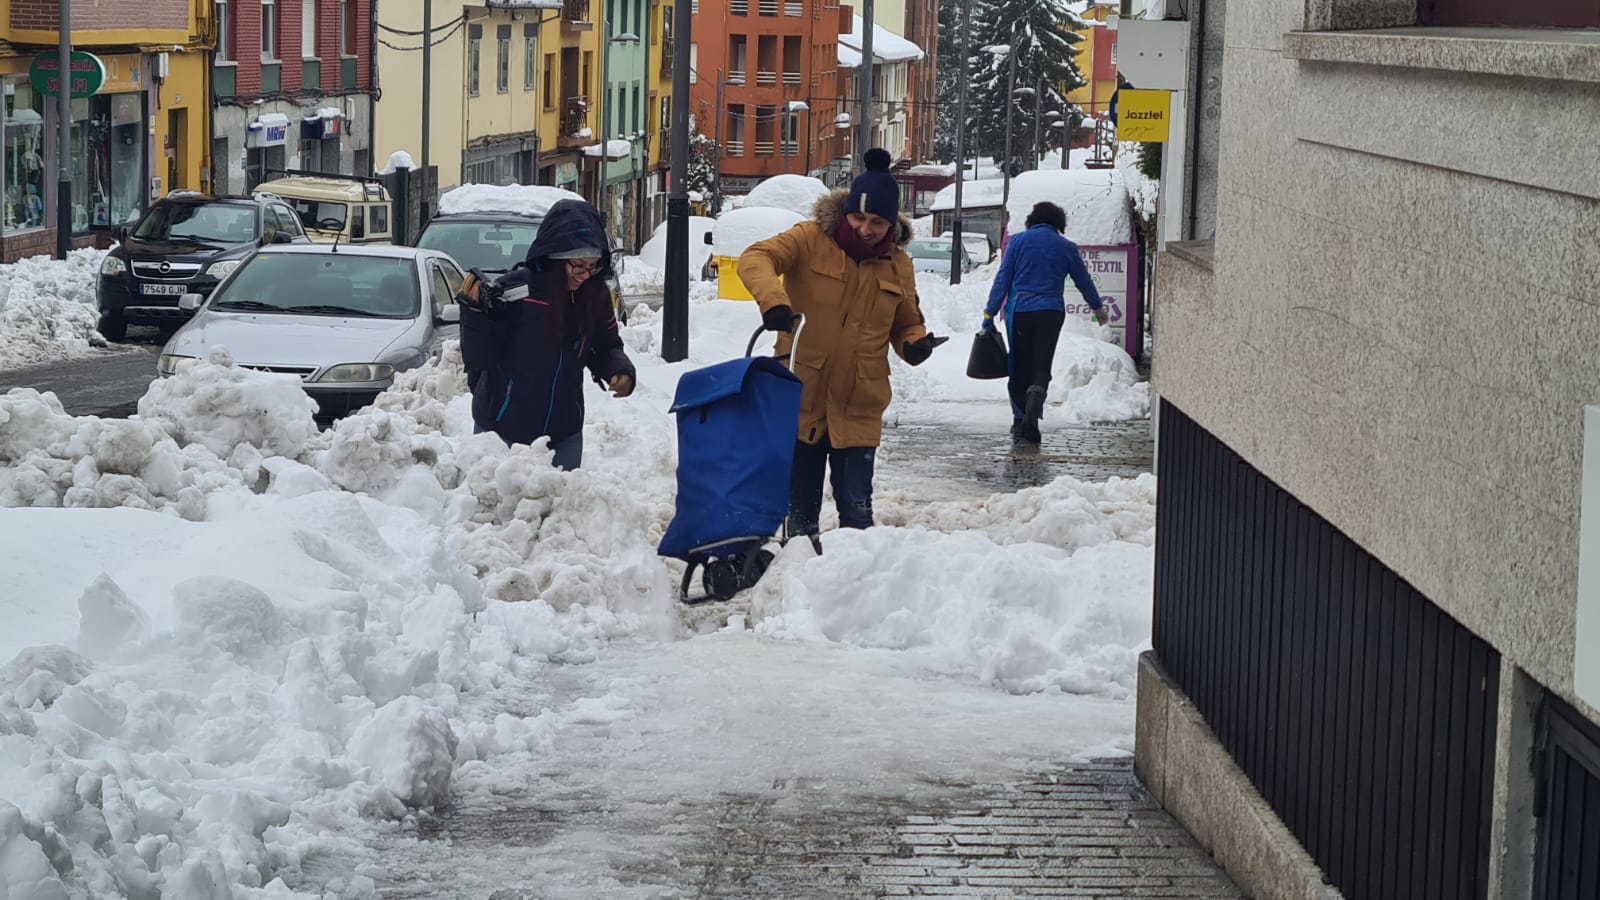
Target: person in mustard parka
<point>846,271</point>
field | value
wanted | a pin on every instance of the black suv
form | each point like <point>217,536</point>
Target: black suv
<point>185,244</point>
<point>492,242</point>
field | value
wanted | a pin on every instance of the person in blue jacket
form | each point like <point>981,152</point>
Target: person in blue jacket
<point>527,336</point>
<point>1032,288</point>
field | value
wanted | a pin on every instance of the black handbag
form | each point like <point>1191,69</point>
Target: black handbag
<point>988,358</point>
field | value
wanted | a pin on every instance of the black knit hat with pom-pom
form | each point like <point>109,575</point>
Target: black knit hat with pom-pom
<point>875,191</point>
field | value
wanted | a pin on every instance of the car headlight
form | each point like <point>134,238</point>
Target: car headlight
<point>168,364</point>
<point>352,372</point>
<point>113,265</point>
<point>223,269</point>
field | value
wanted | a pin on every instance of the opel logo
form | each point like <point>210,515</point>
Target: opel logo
<point>164,268</point>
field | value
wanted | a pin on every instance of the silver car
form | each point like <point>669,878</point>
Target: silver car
<point>932,254</point>
<point>344,319</point>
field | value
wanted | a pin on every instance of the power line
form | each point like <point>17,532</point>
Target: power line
<point>459,22</point>
<point>403,33</point>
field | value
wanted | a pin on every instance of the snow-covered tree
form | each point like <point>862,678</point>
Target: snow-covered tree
<point>701,167</point>
<point>948,79</point>
<point>1040,33</point>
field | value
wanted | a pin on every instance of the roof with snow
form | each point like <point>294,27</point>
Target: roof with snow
<point>1096,202</point>
<point>887,47</point>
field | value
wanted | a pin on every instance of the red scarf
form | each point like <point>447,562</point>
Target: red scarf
<point>859,250</point>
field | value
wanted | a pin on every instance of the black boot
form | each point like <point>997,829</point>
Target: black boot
<point>1028,428</point>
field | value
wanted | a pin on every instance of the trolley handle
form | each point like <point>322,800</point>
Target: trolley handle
<point>794,343</point>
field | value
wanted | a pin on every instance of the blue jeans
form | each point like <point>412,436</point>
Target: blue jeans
<point>852,485</point>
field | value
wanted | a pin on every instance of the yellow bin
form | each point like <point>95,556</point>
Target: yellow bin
<point>729,285</point>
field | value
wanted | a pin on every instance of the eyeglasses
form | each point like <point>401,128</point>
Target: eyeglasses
<point>584,265</point>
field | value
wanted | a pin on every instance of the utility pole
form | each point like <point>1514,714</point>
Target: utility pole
<point>961,144</point>
<point>427,82</point>
<point>716,139</point>
<point>64,152</point>
<point>675,302</point>
<point>1010,101</point>
<point>865,143</point>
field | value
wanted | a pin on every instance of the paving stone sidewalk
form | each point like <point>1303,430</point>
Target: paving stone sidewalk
<point>1083,831</point>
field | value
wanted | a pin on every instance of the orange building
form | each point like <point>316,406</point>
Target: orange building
<point>766,85</point>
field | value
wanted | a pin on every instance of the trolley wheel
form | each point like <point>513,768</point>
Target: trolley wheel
<point>720,579</point>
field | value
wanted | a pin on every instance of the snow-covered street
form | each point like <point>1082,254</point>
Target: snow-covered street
<point>249,658</point>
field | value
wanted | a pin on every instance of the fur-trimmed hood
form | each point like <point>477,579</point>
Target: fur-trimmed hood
<point>829,212</point>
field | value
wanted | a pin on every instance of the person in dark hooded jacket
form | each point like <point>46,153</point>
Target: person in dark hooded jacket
<point>527,337</point>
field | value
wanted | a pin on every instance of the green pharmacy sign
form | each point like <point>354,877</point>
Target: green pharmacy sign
<point>88,74</point>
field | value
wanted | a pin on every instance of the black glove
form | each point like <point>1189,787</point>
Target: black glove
<point>778,318</point>
<point>918,351</point>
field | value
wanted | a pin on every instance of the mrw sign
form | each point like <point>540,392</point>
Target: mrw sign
<point>1144,116</point>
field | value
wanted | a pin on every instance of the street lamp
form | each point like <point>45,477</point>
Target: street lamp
<point>716,191</point>
<point>626,37</point>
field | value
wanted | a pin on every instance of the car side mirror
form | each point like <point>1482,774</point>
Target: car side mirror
<point>190,302</point>
<point>450,315</point>
<point>282,237</point>
<point>708,239</point>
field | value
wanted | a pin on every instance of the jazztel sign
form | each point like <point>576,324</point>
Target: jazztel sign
<point>1144,116</point>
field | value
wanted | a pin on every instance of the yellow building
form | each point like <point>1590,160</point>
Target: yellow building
<point>1097,59</point>
<point>143,133</point>
<point>569,91</point>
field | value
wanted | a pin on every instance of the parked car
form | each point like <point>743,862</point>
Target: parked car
<point>493,241</point>
<point>185,244</point>
<point>334,208</point>
<point>933,255</point>
<point>343,319</point>
<point>977,244</point>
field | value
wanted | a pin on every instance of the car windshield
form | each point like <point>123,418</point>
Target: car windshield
<point>206,223</point>
<point>323,284</point>
<point>929,249</point>
<point>486,246</point>
<point>322,215</point>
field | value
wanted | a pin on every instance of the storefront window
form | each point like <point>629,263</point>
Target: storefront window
<point>107,160</point>
<point>22,173</point>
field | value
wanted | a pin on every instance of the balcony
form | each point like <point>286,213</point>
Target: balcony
<point>739,7</point>
<point>575,122</point>
<point>794,9</point>
<point>791,79</point>
<point>791,148</point>
<point>768,7</point>
<point>766,79</point>
<point>736,75</point>
<point>764,148</point>
<point>575,16</point>
<point>735,148</point>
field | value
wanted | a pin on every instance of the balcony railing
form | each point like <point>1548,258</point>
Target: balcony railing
<point>794,9</point>
<point>575,10</point>
<point>736,75</point>
<point>791,79</point>
<point>666,57</point>
<point>791,148</point>
<point>769,7</point>
<point>764,148</point>
<point>766,79</point>
<point>735,148</point>
<point>574,117</point>
<point>739,7</point>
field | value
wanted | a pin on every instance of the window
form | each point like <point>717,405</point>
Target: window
<point>530,60</point>
<point>288,222</point>
<point>634,106</point>
<point>442,294</point>
<point>308,28</point>
<point>378,219</point>
<point>348,31</point>
<point>502,59</point>
<point>22,172</point>
<point>549,81</point>
<point>474,59</point>
<point>224,32</point>
<point>666,114</point>
<point>269,29</point>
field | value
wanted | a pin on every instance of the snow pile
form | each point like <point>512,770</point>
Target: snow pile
<point>654,251</point>
<point>224,408</point>
<point>398,160</point>
<point>1099,212</point>
<point>523,199</point>
<point>795,193</point>
<point>736,230</point>
<point>613,149</point>
<point>886,45</point>
<point>47,308</point>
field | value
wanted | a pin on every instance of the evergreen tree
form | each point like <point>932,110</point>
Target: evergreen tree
<point>948,79</point>
<point>1040,33</point>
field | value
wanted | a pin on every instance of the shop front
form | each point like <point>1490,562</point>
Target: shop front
<point>110,156</point>
<point>321,134</point>
<point>266,147</point>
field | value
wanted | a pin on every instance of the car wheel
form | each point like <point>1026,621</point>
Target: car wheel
<point>113,327</point>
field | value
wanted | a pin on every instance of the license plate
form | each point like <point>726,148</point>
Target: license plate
<point>162,290</point>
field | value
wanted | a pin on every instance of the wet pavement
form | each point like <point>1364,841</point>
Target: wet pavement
<point>949,461</point>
